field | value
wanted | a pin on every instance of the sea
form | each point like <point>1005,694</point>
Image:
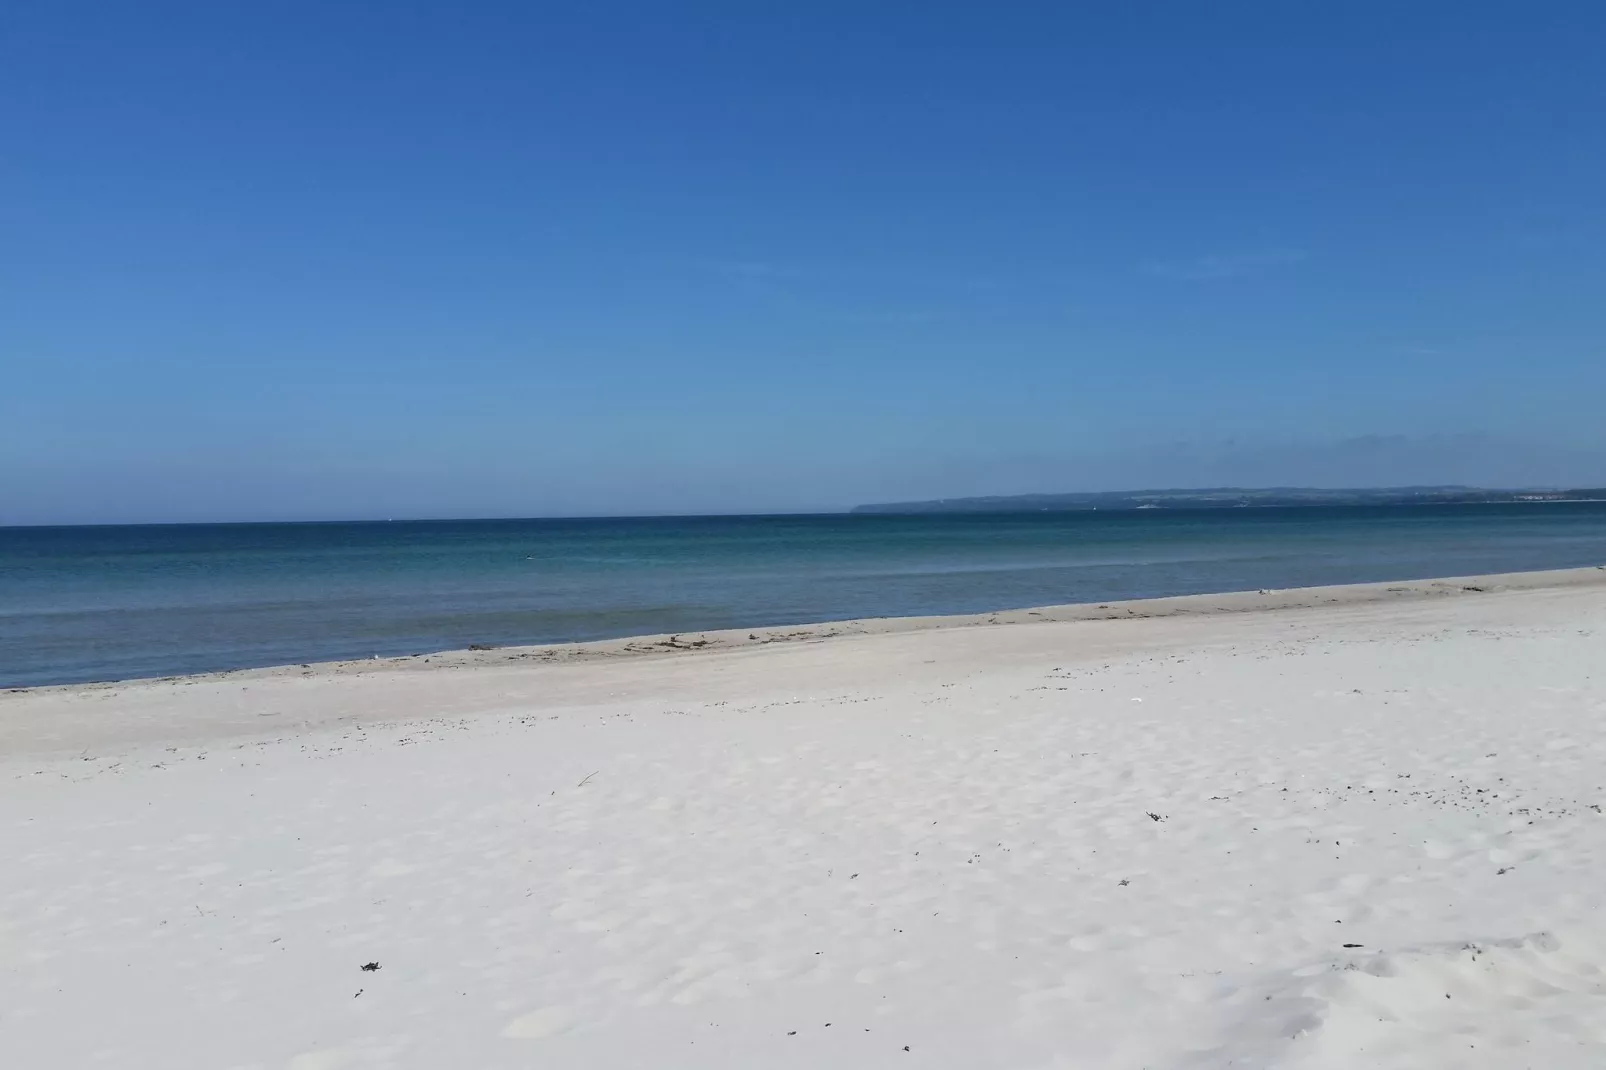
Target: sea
<point>109,603</point>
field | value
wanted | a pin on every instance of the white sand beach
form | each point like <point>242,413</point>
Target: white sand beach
<point>1343,827</point>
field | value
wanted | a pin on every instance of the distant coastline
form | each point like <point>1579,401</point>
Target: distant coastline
<point>1236,498</point>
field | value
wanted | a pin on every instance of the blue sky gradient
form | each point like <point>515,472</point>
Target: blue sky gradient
<point>351,260</point>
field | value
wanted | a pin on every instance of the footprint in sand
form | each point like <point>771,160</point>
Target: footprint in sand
<point>546,1022</point>
<point>328,1059</point>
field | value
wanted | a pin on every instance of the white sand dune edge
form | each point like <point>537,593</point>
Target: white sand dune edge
<point>1363,830</point>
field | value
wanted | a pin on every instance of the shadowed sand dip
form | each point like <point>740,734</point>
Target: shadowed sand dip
<point>1324,827</point>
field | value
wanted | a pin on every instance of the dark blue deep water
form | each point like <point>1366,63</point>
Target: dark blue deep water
<point>102,603</point>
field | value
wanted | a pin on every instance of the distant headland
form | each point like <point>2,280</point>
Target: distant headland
<point>1232,498</point>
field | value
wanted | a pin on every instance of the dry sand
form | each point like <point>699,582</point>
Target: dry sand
<point>1337,827</point>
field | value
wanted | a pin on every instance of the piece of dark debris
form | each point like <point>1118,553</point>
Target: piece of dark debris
<point>1354,945</point>
<point>1153,816</point>
<point>370,967</point>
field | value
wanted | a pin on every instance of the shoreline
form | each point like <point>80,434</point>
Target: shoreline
<point>699,670</point>
<point>665,644</point>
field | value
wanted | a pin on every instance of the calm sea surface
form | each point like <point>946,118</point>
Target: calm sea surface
<point>102,603</point>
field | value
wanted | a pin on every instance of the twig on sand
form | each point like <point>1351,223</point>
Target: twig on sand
<point>587,779</point>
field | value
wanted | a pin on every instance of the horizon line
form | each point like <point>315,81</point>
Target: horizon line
<point>850,510</point>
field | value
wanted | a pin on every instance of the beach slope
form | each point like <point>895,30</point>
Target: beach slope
<point>1359,827</point>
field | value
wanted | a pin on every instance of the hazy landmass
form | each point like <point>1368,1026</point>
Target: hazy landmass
<point>1231,498</point>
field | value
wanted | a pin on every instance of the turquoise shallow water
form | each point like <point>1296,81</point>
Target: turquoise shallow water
<point>101,603</point>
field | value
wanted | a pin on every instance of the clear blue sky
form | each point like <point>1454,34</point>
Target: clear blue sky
<point>343,259</point>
